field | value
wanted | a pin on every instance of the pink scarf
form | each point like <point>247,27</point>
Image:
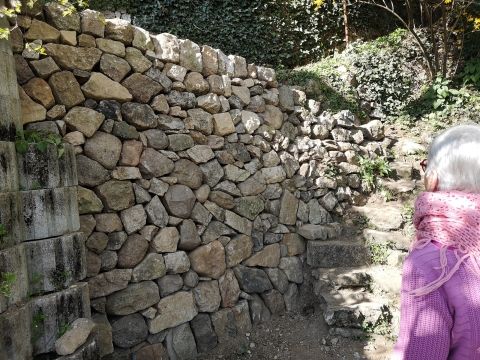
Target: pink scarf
<point>452,219</point>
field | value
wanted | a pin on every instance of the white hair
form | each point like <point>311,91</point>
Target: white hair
<point>455,156</point>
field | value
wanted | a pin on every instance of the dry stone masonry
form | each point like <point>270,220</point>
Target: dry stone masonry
<point>203,181</point>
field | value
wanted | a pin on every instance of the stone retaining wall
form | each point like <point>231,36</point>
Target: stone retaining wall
<point>200,176</point>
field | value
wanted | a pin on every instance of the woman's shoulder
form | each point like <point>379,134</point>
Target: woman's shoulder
<point>427,260</point>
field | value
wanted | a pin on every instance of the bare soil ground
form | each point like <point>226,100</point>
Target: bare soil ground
<point>300,337</point>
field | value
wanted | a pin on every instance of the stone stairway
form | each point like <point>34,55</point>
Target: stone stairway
<point>357,272</point>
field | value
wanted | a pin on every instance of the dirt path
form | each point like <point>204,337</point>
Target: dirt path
<point>300,337</point>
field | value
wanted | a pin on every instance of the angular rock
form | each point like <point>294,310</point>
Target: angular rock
<point>267,257</point>
<point>132,251</point>
<point>251,121</point>
<point>200,154</point>
<point>152,267</point>
<point>177,262</point>
<point>205,336</point>
<point>116,195</point>
<point>93,23</point>
<point>31,111</point>
<point>74,337</point>
<point>55,14</point>
<point>273,299</point>
<point>114,67</point>
<point>85,120</point>
<point>104,148</point>
<point>45,67</point>
<point>238,223</point>
<point>195,83</point>
<point>278,279</point>
<point>166,47</point>
<point>238,249</point>
<point>39,90</point>
<point>156,213</point>
<point>166,240</point>
<point>142,87</point>
<point>252,280</point>
<point>200,120</point>
<point>133,219</point>
<point>134,298</point>
<point>212,172</point>
<point>111,47</point>
<point>288,209</point>
<point>292,267</point>
<point>154,164</point>
<point>129,331</point>
<point>187,173</point>
<point>137,61</point>
<point>156,139</point>
<point>90,172</point>
<point>189,238</point>
<point>66,89</point>
<point>179,201</point>
<point>229,289</point>
<point>190,56</point>
<point>209,260</point>
<point>181,343</point>
<point>139,115</point>
<point>207,296</point>
<point>169,284</point>
<point>258,310</point>
<point>173,310</point>
<point>249,206</point>
<point>120,30</point>
<point>71,58</point>
<point>100,87</point>
<point>88,202</point>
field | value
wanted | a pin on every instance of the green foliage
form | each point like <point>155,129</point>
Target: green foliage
<point>40,140</point>
<point>62,329</point>
<point>471,73</point>
<point>7,279</point>
<point>370,169</point>
<point>37,325</point>
<point>332,171</point>
<point>440,94</point>
<point>271,32</point>
<point>383,325</point>
<point>379,253</point>
<point>3,231</point>
<point>59,277</point>
<point>408,212</point>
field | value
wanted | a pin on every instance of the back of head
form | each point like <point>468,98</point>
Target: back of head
<point>455,156</point>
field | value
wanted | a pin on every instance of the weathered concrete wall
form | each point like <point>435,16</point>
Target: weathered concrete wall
<point>201,179</point>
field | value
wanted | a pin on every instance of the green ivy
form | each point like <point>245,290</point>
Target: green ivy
<point>40,140</point>
<point>7,279</point>
<point>270,32</point>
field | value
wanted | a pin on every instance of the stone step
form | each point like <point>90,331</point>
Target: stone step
<point>15,327</point>
<point>336,253</point>
<point>50,212</point>
<point>354,308</point>
<point>402,170</point>
<point>396,238</point>
<point>384,217</point>
<point>8,167</point>
<point>46,169</point>
<point>13,265</point>
<point>399,186</point>
<point>50,313</point>
<point>56,263</point>
<point>340,278</point>
<point>320,232</point>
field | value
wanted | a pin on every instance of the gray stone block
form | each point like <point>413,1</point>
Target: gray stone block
<point>50,212</point>
<point>11,219</point>
<point>54,264</point>
<point>330,254</point>
<point>47,169</point>
<point>51,312</point>
<point>12,262</point>
<point>8,167</point>
<point>15,329</point>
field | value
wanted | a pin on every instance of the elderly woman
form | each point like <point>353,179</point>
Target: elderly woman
<point>440,306</point>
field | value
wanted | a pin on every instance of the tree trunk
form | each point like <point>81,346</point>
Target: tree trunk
<point>10,115</point>
<point>345,22</point>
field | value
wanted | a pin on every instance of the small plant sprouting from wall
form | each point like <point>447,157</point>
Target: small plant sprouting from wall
<point>40,140</point>
<point>371,169</point>
<point>37,325</point>
<point>7,279</point>
<point>63,328</point>
<point>3,231</point>
<point>59,277</point>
